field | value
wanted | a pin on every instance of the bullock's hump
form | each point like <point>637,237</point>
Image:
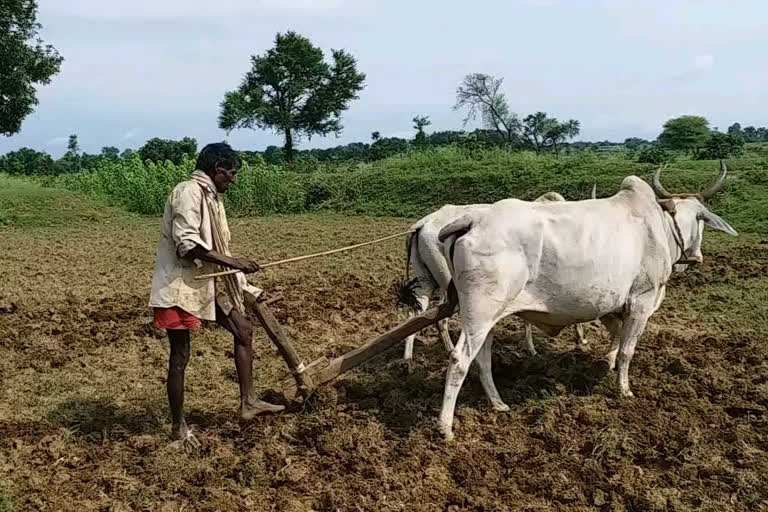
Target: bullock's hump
<point>639,186</point>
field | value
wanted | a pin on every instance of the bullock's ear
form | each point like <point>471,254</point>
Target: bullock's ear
<point>715,222</point>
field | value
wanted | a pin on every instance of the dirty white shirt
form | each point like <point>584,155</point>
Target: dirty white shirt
<point>187,223</point>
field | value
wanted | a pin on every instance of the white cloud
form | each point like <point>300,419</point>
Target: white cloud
<point>132,133</point>
<point>303,4</point>
<point>197,8</point>
<point>704,62</point>
<point>58,141</point>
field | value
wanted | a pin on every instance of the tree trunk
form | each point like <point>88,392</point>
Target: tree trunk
<point>288,148</point>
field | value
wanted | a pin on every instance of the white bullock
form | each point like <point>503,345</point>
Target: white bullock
<point>424,253</point>
<point>558,264</point>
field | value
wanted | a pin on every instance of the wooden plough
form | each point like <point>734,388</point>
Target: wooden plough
<point>307,378</point>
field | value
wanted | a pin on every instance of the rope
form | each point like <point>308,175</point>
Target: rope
<point>307,256</point>
<point>677,234</point>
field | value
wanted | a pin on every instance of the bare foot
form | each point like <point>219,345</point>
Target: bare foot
<point>254,407</point>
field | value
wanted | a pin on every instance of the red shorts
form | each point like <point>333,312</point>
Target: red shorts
<point>175,318</point>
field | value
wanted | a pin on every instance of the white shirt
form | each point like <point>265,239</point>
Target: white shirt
<point>187,223</point>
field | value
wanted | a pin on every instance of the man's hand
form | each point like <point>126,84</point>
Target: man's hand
<point>247,266</point>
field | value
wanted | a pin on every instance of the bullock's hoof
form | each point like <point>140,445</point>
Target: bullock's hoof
<point>409,365</point>
<point>446,432</point>
<point>626,393</point>
<point>499,406</point>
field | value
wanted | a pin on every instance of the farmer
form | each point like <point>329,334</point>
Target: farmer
<point>194,240</point>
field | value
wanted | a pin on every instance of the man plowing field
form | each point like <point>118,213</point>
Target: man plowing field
<point>195,240</point>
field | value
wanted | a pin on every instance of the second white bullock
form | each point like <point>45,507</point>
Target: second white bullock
<point>424,254</point>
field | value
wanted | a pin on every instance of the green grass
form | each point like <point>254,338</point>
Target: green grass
<point>26,205</point>
<point>5,504</point>
<point>416,183</point>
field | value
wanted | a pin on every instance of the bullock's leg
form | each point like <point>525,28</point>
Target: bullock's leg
<point>483,361</point>
<point>529,338</point>
<point>613,324</point>
<point>442,326</point>
<point>469,344</point>
<point>634,322</point>
<point>408,354</point>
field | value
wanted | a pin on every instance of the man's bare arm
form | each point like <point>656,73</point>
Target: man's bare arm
<point>246,265</point>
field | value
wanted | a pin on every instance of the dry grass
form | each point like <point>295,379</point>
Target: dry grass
<point>83,416</point>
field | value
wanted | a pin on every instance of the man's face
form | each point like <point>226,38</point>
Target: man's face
<point>224,178</point>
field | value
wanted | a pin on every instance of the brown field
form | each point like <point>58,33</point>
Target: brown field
<point>83,414</point>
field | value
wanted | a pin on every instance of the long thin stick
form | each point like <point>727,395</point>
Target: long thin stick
<point>306,257</point>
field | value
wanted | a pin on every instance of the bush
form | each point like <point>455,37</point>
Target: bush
<point>721,145</point>
<point>417,182</point>
<point>653,155</point>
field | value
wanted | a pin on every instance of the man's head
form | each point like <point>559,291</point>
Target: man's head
<point>221,163</point>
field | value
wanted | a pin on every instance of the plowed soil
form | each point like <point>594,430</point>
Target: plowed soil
<point>84,419</point>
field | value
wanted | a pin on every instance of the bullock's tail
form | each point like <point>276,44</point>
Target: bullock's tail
<point>405,289</point>
<point>452,232</point>
<point>448,236</point>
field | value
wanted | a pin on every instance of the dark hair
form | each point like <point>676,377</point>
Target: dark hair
<point>218,153</point>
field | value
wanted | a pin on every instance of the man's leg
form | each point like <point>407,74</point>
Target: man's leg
<point>177,364</point>
<point>242,331</point>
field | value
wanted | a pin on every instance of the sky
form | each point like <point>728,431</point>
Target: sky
<point>139,69</point>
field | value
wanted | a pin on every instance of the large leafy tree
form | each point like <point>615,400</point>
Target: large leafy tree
<point>294,91</point>
<point>686,133</point>
<point>24,62</point>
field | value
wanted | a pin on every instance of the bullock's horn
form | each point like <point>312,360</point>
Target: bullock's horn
<point>661,193</point>
<point>594,191</point>
<point>718,184</point>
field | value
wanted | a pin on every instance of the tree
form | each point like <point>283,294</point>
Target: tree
<point>110,153</point>
<point>481,95</point>
<point>375,136</point>
<point>721,146</point>
<point>735,129</point>
<point>750,134</point>
<point>26,161</point>
<point>687,133</point>
<point>535,129</point>
<point>127,153</point>
<point>388,146</point>
<point>633,143</point>
<point>419,122</point>
<point>24,62</point>
<point>293,91</point>
<point>159,150</point>
<point>73,146</point>
<point>559,133</point>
